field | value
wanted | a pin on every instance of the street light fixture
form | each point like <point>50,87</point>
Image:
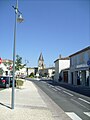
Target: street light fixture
<point>18,18</point>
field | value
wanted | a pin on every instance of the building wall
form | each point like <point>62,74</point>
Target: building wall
<point>79,67</point>
<point>63,64</point>
<point>31,70</point>
<point>56,77</point>
<point>48,71</point>
<point>5,70</point>
<point>59,66</point>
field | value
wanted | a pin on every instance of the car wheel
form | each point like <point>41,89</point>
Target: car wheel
<point>7,85</point>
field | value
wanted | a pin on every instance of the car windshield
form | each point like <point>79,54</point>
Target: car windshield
<point>2,78</point>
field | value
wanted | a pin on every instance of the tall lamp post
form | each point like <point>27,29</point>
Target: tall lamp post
<point>18,18</point>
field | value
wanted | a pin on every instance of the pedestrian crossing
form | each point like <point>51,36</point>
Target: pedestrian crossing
<point>74,116</point>
<point>87,113</point>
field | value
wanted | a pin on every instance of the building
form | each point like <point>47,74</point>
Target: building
<point>4,69</point>
<point>80,67</point>
<point>32,70</point>
<point>60,64</point>
<point>47,72</point>
<point>6,66</point>
<point>65,74</point>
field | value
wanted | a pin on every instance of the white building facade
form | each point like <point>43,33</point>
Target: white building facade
<point>47,72</point>
<point>6,66</point>
<point>5,70</point>
<point>60,64</point>
<point>80,68</point>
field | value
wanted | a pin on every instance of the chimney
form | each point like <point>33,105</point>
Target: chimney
<point>60,56</point>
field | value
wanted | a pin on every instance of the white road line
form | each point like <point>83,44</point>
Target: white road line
<point>73,116</point>
<point>84,100</point>
<point>57,88</point>
<point>54,89</point>
<point>68,93</point>
<point>80,104</point>
<point>87,113</point>
<point>50,85</point>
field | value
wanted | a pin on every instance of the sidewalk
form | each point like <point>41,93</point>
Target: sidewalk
<point>29,105</point>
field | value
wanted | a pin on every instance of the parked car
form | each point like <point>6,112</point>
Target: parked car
<point>6,81</point>
<point>23,76</point>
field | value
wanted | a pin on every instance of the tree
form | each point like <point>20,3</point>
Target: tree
<point>1,71</point>
<point>53,72</point>
<point>18,63</point>
<point>31,75</point>
<point>45,75</point>
<point>8,64</point>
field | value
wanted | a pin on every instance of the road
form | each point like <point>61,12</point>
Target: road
<point>75,105</point>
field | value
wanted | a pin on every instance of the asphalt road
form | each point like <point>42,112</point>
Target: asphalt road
<point>75,105</point>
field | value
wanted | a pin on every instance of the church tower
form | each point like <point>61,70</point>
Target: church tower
<point>40,62</point>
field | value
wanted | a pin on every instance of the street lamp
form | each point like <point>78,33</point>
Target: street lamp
<point>18,18</point>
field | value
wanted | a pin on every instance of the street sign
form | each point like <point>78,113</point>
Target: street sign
<point>0,60</point>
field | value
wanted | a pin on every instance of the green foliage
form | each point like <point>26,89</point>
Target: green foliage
<point>1,71</point>
<point>45,74</point>
<point>31,75</point>
<point>18,63</point>
<point>11,72</point>
<point>53,72</point>
<point>7,63</point>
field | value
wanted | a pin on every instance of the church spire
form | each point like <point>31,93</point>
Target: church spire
<point>41,57</point>
<point>40,62</point>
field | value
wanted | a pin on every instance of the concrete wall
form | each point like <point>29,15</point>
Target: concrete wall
<point>56,77</point>
<point>60,65</point>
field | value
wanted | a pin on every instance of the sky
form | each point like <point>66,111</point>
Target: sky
<point>52,27</point>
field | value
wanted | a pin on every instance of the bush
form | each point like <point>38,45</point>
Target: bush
<point>31,75</point>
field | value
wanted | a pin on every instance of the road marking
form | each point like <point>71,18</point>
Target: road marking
<point>57,88</point>
<point>68,93</point>
<point>87,113</point>
<point>50,85</point>
<point>84,100</point>
<point>73,116</point>
<point>80,104</point>
<point>54,89</point>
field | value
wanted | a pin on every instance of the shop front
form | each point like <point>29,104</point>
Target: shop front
<point>80,67</point>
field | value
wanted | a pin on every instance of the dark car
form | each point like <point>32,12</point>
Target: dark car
<point>6,81</point>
